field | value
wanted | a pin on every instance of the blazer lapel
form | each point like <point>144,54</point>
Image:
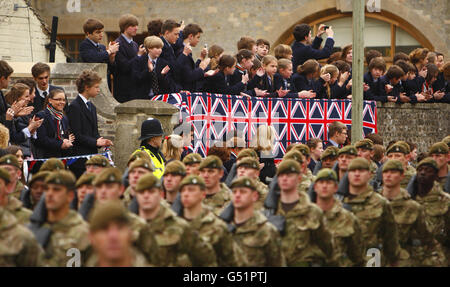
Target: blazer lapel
<point>85,110</point>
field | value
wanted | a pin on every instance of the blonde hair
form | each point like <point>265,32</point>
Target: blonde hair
<point>264,138</point>
<point>284,63</point>
<point>213,52</point>
<point>153,42</point>
<point>4,136</point>
<point>171,147</point>
<point>333,71</point>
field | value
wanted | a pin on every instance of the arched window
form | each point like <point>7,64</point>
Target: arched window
<point>384,32</point>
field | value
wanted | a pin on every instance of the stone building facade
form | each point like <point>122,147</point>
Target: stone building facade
<point>225,21</point>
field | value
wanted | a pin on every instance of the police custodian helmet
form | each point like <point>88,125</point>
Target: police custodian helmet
<point>151,128</point>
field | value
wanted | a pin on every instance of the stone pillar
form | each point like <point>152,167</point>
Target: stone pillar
<point>129,117</point>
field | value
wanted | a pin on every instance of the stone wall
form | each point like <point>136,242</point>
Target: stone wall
<point>422,124</point>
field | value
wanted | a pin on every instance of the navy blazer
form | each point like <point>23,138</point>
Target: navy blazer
<point>189,72</point>
<point>143,78</point>
<point>301,83</point>
<point>47,143</point>
<point>301,52</point>
<point>38,102</point>
<point>83,124</point>
<point>219,85</point>
<point>3,108</point>
<point>263,83</point>
<point>89,53</point>
<point>374,87</point>
<point>124,88</point>
<point>279,82</point>
<point>168,54</point>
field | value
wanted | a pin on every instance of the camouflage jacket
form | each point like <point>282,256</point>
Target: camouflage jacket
<point>219,200</point>
<point>18,247</point>
<point>177,244</point>
<point>262,191</point>
<point>409,173</point>
<point>214,231</point>
<point>306,181</point>
<point>137,261</point>
<point>416,241</point>
<point>437,213</point>
<point>377,222</point>
<point>346,231</point>
<point>126,196</point>
<point>18,190</point>
<point>307,241</point>
<point>21,213</point>
<point>70,232</point>
<point>260,241</point>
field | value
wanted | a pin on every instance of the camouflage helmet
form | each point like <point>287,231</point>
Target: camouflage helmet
<point>108,175</point>
<point>105,213</point>
<point>438,148</point>
<point>141,162</point>
<point>52,164</point>
<point>62,177</point>
<point>429,162</point>
<point>330,152</point>
<point>304,149</point>
<point>98,160</point>
<point>86,178</point>
<point>193,180</point>
<point>246,152</point>
<point>365,144</point>
<point>289,166</point>
<point>211,161</point>
<point>244,181</point>
<point>192,158</point>
<point>326,174</point>
<point>148,181</point>
<point>175,167</point>
<point>393,164</point>
<point>249,162</point>
<point>10,159</point>
<point>405,144</point>
<point>359,163</point>
<point>397,147</point>
<point>295,155</point>
<point>348,149</point>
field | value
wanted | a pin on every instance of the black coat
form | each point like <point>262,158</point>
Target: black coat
<point>89,53</point>
<point>47,144</point>
<point>301,52</point>
<point>219,85</point>
<point>3,108</point>
<point>143,78</point>
<point>124,87</point>
<point>83,124</point>
<point>189,72</point>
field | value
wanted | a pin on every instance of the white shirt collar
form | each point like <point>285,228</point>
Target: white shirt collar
<point>126,38</point>
<point>95,44</point>
<point>84,99</point>
<point>333,143</point>
<point>41,91</point>
<point>152,59</point>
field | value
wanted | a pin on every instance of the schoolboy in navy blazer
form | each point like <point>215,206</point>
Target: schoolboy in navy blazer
<point>170,31</point>
<point>304,49</point>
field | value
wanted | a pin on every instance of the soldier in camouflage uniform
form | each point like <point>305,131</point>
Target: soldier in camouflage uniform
<point>329,157</point>
<point>192,162</point>
<point>137,168</point>
<point>96,164</point>
<point>373,211</point>
<point>307,175</point>
<point>440,153</point>
<point>18,247</point>
<point>365,150</point>
<point>306,241</point>
<point>345,156</point>
<point>84,187</point>
<point>111,238</point>
<point>250,167</point>
<point>174,172</point>
<point>304,185</point>
<point>52,164</point>
<point>258,239</point>
<point>212,229</point>
<point>343,225</point>
<point>428,192</point>
<point>9,164</point>
<point>418,246</point>
<point>218,195</point>
<point>399,152</point>
<point>177,243</point>
<point>68,229</point>
<point>12,165</point>
<point>108,186</point>
<point>36,185</point>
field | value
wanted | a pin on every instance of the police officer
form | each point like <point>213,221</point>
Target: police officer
<point>151,141</point>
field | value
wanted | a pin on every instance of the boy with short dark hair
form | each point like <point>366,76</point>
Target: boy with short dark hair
<point>390,88</point>
<point>377,67</point>
<point>170,31</point>
<point>124,88</point>
<point>41,75</point>
<point>191,72</point>
<point>304,48</point>
<point>247,43</point>
<point>262,48</point>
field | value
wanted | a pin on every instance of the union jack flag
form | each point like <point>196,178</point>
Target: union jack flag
<point>213,116</point>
